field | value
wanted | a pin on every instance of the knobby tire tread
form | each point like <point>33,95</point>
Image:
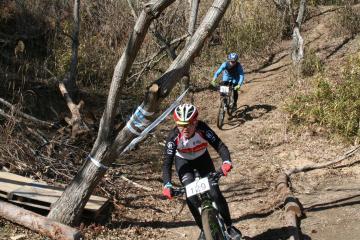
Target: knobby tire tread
<point>221,114</point>
<point>211,227</point>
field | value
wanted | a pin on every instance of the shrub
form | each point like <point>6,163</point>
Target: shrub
<point>336,106</point>
<point>311,64</point>
<point>348,20</point>
<point>246,31</point>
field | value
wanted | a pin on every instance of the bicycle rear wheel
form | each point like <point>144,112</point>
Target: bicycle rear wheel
<point>211,227</point>
<point>221,114</point>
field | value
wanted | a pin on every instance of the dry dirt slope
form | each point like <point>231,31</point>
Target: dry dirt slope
<point>262,146</point>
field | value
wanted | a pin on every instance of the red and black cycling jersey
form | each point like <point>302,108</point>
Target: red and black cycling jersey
<point>191,149</point>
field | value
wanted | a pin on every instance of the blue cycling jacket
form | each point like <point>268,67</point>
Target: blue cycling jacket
<point>234,74</point>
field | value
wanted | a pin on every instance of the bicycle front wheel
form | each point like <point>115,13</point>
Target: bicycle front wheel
<point>211,227</point>
<point>221,114</point>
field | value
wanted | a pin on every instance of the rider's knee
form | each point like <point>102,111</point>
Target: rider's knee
<point>187,178</point>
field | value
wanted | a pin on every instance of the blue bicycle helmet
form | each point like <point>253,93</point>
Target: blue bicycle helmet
<point>233,57</point>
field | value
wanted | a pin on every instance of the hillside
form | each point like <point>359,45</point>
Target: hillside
<point>263,143</point>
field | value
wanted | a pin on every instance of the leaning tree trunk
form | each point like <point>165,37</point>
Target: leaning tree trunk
<point>105,150</point>
<point>69,206</point>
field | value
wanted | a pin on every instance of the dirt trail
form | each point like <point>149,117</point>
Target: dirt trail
<point>261,147</point>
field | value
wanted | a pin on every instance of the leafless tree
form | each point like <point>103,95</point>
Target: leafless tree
<point>106,149</point>
<point>286,6</point>
<point>298,41</point>
<point>194,8</point>
<point>68,86</point>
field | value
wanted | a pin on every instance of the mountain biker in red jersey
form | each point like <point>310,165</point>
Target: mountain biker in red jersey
<point>233,74</point>
<point>187,144</point>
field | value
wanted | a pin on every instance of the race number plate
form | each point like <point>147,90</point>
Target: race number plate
<point>196,187</point>
<point>224,89</point>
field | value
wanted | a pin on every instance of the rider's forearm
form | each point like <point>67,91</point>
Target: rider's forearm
<point>241,80</point>
<point>167,171</point>
<point>219,71</point>
<point>224,152</point>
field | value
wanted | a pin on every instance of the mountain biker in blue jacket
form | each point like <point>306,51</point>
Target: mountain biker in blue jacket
<point>233,74</point>
<point>187,145</point>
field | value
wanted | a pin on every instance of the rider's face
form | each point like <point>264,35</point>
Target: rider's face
<point>187,130</point>
<point>232,63</point>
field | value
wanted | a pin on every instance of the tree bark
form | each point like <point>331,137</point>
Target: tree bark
<point>70,80</point>
<point>292,207</point>
<point>77,124</point>
<point>105,150</point>
<point>68,86</point>
<point>298,42</point>
<point>69,206</point>
<point>194,8</point>
<point>38,223</point>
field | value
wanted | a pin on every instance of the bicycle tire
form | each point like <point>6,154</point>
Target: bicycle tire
<point>231,102</point>
<point>221,114</point>
<point>211,227</point>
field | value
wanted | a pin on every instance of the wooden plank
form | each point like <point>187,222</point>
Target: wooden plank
<point>32,193</point>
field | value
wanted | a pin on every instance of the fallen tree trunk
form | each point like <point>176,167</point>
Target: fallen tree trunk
<point>292,206</point>
<point>38,223</point>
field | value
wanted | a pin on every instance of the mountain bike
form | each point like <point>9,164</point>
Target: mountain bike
<point>213,224</point>
<point>226,103</point>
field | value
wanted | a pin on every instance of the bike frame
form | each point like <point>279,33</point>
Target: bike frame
<point>207,202</point>
<point>226,104</point>
<point>228,98</point>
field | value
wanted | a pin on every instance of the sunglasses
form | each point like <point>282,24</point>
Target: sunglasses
<point>232,62</point>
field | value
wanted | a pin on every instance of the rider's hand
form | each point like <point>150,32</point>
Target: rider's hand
<point>167,191</point>
<point>226,167</point>
<point>237,87</point>
<point>213,83</point>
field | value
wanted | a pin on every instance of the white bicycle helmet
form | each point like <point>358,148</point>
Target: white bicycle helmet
<point>185,114</point>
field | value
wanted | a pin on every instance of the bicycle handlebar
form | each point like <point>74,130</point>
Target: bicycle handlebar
<point>214,178</point>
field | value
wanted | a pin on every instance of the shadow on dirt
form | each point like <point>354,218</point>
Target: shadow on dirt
<point>152,224</point>
<point>334,204</point>
<point>246,113</point>
<point>277,233</point>
<point>341,45</point>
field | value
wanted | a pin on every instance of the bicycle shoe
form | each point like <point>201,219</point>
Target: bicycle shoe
<point>202,236</point>
<point>234,233</point>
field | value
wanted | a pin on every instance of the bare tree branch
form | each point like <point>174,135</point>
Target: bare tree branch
<point>136,184</point>
<point>306,168</point>
<point>132,9</point>
<point>76,122</point>
<point>23,115</point>
<point>69,206</point>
